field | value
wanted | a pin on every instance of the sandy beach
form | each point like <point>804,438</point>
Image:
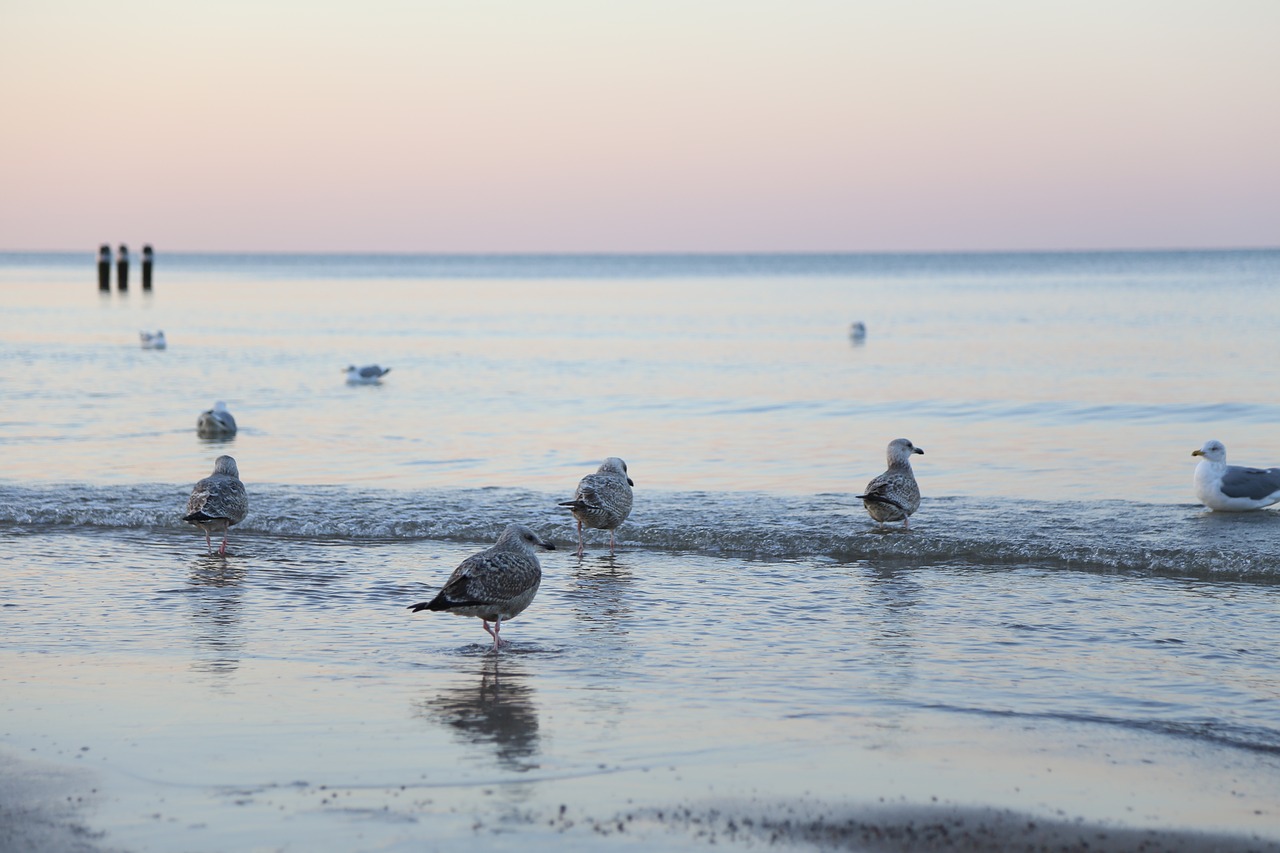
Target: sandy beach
<point>50,808</point>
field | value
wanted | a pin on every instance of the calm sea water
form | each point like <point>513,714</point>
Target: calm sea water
<point>1062,632</point>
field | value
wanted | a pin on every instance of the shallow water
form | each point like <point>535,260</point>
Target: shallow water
<point>1051,377</point>
<point>211,695</point>
<point>1062,633</point>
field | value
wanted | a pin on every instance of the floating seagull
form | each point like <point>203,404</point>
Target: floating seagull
<point>370,374</point>
<point>218,501</point>
<point>894,495</point>
<point>603,499</point>
<point>495,584</point>
<point>152,340</point>
<point>858,332</point>
<point>1233,488</point>
<point>216,422</point>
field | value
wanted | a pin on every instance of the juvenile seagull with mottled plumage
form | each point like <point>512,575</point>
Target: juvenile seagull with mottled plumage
<point>894,495</point>
<point>1233,488</point>
<point>218,501</point>
<point>496,584</point>
<point>603,499</point>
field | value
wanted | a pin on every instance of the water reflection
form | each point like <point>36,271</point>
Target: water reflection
<point>601,595</point>
<point>894,595</point>
<point>496,712</point>
<point>216,600</point>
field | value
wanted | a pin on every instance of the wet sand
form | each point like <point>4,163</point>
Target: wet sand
<point>906,828</point>
<point>47,808</point>
<point>50,808</point>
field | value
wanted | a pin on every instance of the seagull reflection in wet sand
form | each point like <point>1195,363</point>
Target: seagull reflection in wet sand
<point>497,712</point>
<point>216,599</point>
<point>601,596</point>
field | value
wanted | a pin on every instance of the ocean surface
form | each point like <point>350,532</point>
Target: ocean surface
<point>1062,633</point>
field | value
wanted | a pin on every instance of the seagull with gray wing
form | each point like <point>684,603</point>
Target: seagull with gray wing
<point>216,422</point>
<point>370,374</point>
<point>1233,488</point>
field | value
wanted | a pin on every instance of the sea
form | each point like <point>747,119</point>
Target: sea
<point>1063,634</point>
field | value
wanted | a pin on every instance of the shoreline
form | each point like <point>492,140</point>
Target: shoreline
<point>48,806</point>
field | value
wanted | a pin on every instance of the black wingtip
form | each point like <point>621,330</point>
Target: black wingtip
<point>433,604</point>
<point>441,603</point>
<point>880,499</point>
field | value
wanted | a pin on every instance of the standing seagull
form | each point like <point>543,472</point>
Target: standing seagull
<point>603,499</point>
<point>1233,488</point>
<point>218,501</point>
<point>370,374</point>
<point>894,495</point>
<point>495,584</point>
<point>216,422</point>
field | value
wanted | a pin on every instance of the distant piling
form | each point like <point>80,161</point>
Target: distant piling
<point>122,268</point>
<point>147,258</point>
<point>104,268</point>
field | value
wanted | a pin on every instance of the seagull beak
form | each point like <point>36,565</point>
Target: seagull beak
<point>919,450</point>
<point>1197,453</point>
<point>630,482</point>
<point>550,546</point>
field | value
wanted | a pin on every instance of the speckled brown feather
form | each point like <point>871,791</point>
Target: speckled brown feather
<point>894,495</point>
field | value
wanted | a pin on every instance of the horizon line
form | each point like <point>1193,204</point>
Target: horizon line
<point>654,253</point>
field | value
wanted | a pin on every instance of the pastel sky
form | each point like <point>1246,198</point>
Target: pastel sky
<point>649,125</point>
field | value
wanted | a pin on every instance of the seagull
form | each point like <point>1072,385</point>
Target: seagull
<point>1233,488</point>
<point>894,495</point>
<point>152,340</point>
<point>858,332</point>
<point>216,422</point>
<point>218,501</point>
<point>370,374</point>
<point>603,499</point>
<point>495,584</point>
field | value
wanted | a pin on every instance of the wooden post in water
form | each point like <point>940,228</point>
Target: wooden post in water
<point>104,267</point>
<point>147,258</point>
<point>122,268</point>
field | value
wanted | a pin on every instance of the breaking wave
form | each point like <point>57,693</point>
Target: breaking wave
<point>1179,539</point>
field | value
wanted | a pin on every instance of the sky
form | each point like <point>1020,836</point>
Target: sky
<point>641,126</point>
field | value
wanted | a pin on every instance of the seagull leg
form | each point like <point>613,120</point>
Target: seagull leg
<point>580,543</point>
<point>487,629</point>
<point>208,543</point>
<point>610,543</point>
<point>223,550</point>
